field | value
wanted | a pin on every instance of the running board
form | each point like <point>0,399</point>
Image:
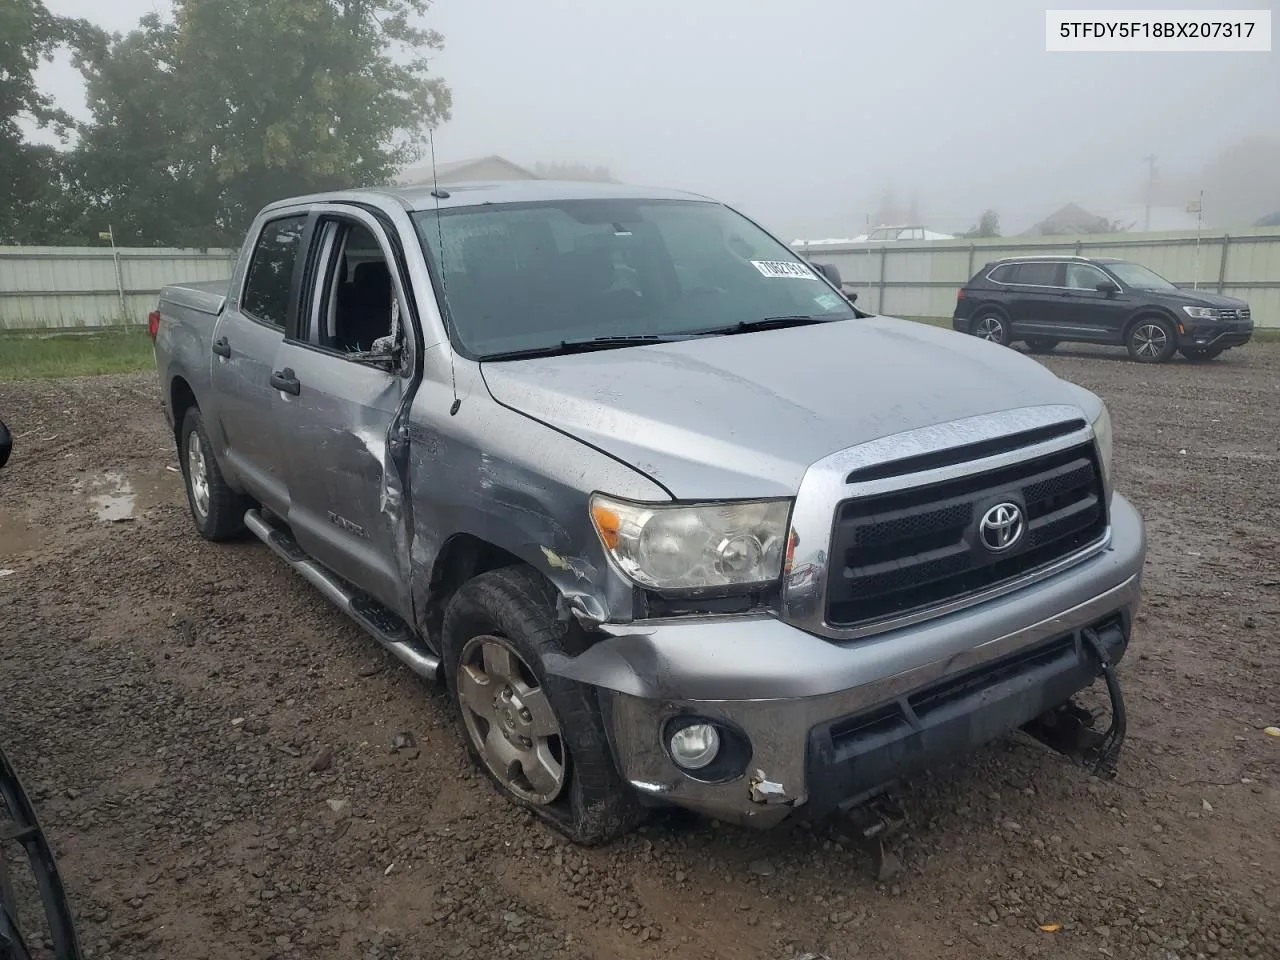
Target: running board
<point>383,625</point>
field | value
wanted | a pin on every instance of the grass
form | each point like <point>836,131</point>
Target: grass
<point>29,356</point>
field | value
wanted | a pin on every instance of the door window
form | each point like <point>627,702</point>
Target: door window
<point>270,274</point>
<point>1038,274</point>
<point>1081,276</point>
<point>357,303</point>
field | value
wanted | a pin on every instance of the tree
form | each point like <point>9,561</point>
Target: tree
<point>573,171</point>
<point>29,34</point>
<point>199,121</point>
<point>988,226</point>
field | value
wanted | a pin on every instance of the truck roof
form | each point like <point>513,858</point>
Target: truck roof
<point>420,197</point>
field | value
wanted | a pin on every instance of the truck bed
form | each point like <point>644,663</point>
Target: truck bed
<point>207,296</point>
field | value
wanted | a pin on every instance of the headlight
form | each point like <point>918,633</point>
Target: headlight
<point>1102,434</point>
<point>708,546</point>
<point>1201,313</point>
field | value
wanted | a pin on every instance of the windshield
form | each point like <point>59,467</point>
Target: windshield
<point>530,276</point>
<point>1135,275</point>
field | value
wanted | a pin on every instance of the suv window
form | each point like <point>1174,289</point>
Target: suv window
<point>1038,274</point>
<point>266,289</point>
<point>1081,276</point>
<point>1003,273</point>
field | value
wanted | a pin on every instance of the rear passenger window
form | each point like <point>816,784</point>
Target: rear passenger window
<point>1003,273</point>
<point>266,290</point>
<point>1038,274</point>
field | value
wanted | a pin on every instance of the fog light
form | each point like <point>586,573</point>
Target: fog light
<point>695,746</point>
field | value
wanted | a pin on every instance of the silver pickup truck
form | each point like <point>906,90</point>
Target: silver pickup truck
<point>674,522</point>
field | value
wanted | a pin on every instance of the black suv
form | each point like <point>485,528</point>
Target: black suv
<point>1046,300</point>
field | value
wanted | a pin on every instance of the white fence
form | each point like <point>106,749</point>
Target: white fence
<point>44,288</point>
<point>920,279</point>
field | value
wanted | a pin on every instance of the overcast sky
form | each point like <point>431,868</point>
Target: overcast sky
<point>802,114</point>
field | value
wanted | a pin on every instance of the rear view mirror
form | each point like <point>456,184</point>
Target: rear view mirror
<point>850,295</point>
<point>830,272</point>
<point>1107,286</point>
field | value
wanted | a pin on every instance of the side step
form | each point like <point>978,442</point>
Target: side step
<point>383,625</point>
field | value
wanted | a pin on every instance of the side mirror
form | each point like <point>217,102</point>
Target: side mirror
<point>850,295</point>
<point>6,444</point>
<point>830,272</point>
<point>1107,286</point>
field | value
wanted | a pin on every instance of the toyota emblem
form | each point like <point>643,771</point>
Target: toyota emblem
<point>1001,527</point>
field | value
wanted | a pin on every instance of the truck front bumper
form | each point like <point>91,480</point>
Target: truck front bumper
<point>814,725</point>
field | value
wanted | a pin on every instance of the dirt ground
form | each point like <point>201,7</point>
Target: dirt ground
<point>166,700</point>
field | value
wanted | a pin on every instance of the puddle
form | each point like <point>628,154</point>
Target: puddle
<point>116,497</point>
<point>112,497</point>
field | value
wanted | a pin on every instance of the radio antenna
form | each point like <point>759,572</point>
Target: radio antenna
<point>439,194</point>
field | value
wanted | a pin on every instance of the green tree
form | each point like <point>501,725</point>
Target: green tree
<point>200,120</point>
<point>573,171</point>
<point>988,226</point>
<point>30,173</point>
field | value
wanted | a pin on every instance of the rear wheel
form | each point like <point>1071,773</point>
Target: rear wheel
<point>1041,344</point>
<point>1151,340</point>
<point>217,510</point>
<point>538,737</point>
<point>1201,354</point>
<point>991,325</point>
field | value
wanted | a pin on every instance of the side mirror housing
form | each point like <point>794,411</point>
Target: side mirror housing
<point>829,271</point>
<point>1107,287</point>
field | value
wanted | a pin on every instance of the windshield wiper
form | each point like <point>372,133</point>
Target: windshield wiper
<point>769,323</point>
<point>583,346</point>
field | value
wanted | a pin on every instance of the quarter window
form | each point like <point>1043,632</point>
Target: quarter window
<point>266,290</point>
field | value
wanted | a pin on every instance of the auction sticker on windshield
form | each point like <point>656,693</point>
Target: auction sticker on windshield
<point>784,269</point>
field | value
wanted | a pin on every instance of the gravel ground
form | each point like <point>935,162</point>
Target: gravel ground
<point>210,744</point>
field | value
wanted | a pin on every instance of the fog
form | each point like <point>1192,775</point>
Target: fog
<point>803,115</point>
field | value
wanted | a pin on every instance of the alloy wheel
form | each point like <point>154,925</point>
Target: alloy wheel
<point>198,475</point>
<point>1150,341</point>
<point>990,328</point>
<point>510,720</point>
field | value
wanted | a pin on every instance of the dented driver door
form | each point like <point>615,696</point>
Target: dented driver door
<point>336,401</point>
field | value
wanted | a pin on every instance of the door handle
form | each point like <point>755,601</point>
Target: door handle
<point>286,381</point>
<point>222,347</point>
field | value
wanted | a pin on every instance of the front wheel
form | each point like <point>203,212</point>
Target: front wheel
<point>217,510</point>
<point>1201,354</point>
<point>1151,340</point>
<point>992,326</point>
<point>538,737</point>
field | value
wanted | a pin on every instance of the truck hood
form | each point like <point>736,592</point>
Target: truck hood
<point>745,415</point>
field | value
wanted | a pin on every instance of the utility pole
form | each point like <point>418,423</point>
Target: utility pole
<point>1151,186</point>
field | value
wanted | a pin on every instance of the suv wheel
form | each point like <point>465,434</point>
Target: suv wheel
<point>540,738</point>
<point>1201,354</point>
<point>1041,344</point>
<point>1151,340</point>
<point>991,325</point>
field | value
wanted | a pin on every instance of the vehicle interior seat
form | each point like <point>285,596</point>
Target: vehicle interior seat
<point>364,307</point>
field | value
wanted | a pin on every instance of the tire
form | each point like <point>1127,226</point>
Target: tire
<point>509,615</point>
<point>991,325</point>
<point>6,444</point>
<point>216,509</point>
<point>1201,354</point>
<point>1151,340</point>
<point>1041,344</point>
